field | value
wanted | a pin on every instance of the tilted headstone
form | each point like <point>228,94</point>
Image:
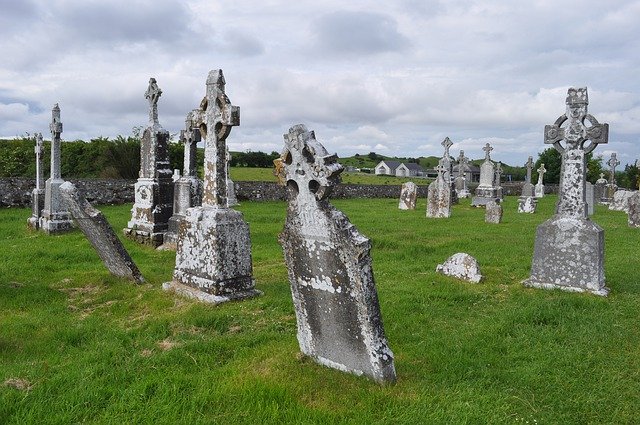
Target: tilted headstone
<point>590,198</point>
<point>611,185</point>
<point>493,212</point>
<point>486,190</point>
<point>600,190</point>
<point>232,201</point>
<point>55,218</point>
<point>539,189</point>
<point>329,265</point>
<point>38,193</point>
<point>464,175</point>
<point>408,196</point>
<point>100,234</point>
<point>620,201</point>
<point>461,266</point>
<point>439,196</point>
<point>634,210</point>
<point>569,248</point>
<point>153,204</point>
<point>213,257</point>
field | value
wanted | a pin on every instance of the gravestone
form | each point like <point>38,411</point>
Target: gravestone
<point>620,200</point>
<point>634,210</point>
<point>187,190</point>
<point>213,256</point>
<point>329,265</point>
<point>611,185</point>
<point>100,234</point>
<point>486,191</point>
<point>439,196</point>
<point>498,180</point>
<point>539,189</point>
<point>408,196</point>
<point>232,201</point>
<point>55,218</point>
<point>527,204</point>
<point>461,266</point>
<point>448,170</point>
<point>37,195</point>
<point>176,175</point>
<point>464,174</point>
<point>153,204</point>
<point>493,213</point>
<point>569,248</point>
<point>590,198</point>
<point>600,190</point>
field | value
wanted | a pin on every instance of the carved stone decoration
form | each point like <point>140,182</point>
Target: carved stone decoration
<point>600,190</point>
<point>55,218</point>
<point>464,174</point>
<point>539,189</point>
<point>611,184</point>
<point>569,248</point>
<point>100,234</point>
<point>38,193</point>
<point>486,190</point>
<point>153,204</point>
<point>329,265</point>
<point>213,256</point>
<point>439,196</point>
<point>408,196</point>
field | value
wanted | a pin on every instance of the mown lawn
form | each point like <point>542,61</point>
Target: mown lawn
<point>77,345</point>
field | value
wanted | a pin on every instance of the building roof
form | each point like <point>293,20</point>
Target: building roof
<point>412,166</point>
<point>472,168</point>
<point>391,164</point>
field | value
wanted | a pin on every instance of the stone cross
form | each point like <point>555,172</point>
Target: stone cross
<point>38,152</point>
<point>190,137</point>
<point>152,95</point>
<point>613,163</point>
<point>580,140</point>
<point>463,163</point>
<point>487,149</point>
<point>498,174</point>
<point>446,143</point>
<point>56,131</point>
<point>541,172</point>
<point>446,161</point>
<point>529,168</point>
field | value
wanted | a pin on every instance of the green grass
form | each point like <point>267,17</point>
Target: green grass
<point>97,349</point>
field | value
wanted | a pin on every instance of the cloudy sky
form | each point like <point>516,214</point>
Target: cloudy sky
<point>391,77</point>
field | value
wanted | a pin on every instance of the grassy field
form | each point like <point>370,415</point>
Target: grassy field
<point>77,345</point>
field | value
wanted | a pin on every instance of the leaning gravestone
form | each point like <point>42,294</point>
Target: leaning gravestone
<point>37,195</point>
<point>634,210</point>
<point>55,218</point>
<point>493,213</point>
<point>154,189</point>
<point>439,196</point>
<point>213,256</point>
<point>486,191</point>
<point>100,234</point>
<point>408,196</point>
<point>539,189</point>
<point>600,190</point>
<point>569,248</point>
<point>334,294</point>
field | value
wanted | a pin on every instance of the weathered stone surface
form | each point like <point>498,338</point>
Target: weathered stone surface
<point>408,196</point>
<point>439,196</point>
<point>539,189</point>
<point>527,204</point>
<point>590,197</point>
<point>232,200</point>
<point>634,210</point>
<point>100,234</point>
<point>486,191</point>
<point>329,265</point>
<point>213,253</point>
<point>527,188</point>
<point>493,213</point>
<point>38,193</point>
<point>460,182</point>
<point>461,266</point>
<point>447,163</point>
<point>569,248</point>
<point>600,190</point>
<point>620,201</point>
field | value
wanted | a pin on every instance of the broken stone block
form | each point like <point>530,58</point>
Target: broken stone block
<point>408,196</point>
<point>100,234</point>
<point>461,266</point>
<point>620,201</point>
<point>493,213</point>
<point>329,265</point>
<point>527,204</point>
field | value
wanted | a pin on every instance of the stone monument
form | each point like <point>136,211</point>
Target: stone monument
<point>634,210</point>
<point>439,195</point>
<point>460,182</point>
<point>329,265</point>
<point>232,201</point>
<point>539,189</point>
<point>497,182</point>
<point>37,195</point>
<point>486,190</point>
<point>154,189</point>
<point>527,201</point>
<point>408,196</point>
<point>600,190</point>
<point>569,248</point>
<point>55,218</point>
<point>493,212</point>
<point>590,198</point>
<point>448,170</point>
<point>611,185</point>
<point>213,256</point>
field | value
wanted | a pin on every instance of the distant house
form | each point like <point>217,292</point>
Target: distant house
<point>387,168</point>
<point>409,169</point>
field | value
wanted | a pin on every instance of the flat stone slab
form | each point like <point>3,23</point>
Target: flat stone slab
<point>461,266</point>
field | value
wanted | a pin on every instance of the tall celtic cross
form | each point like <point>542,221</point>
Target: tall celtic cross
<point>152,95</point>
<point>190,136</point>
<point>541,172</point>
<point>487,152</point>
<point>529,165</point>
<point>613,163</point>
<point>580,139</point>
<point>38,152</point>
<point>446,143</point>
<point>441,169</point>
<point>498,174</point>
<point>446,158</point>
<point>56,130</point>
<point>463,164</point>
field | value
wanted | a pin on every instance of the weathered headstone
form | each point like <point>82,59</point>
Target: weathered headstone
<point>497,182</point>
<point>232,201</point>
<point>461,266</point>
<point>37,195</point>
<point>590,198</point>
<point>634,210</point>
<point>600,190</point>
<point>408,196</point>
<point>461,179</point>
<point>153,204</point>
<point>100,234</point>
<point>611,185</point>
<point>439,196</point>
<point>569,248</point>
<point>527,204</point>
<point>539,189</point>
<point>493,213</point>
<point>448,170</point>
<point>55,218</point>
<point>213,257</point>
<point>486,191</point>
<point>527,187</point>
<point>329,264</point>
<point>620,201</point>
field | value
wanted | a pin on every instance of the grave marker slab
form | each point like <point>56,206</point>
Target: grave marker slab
<point>493,212</point>
<point>439,196</point>
<point>408,196</point>
<point>486,190</point>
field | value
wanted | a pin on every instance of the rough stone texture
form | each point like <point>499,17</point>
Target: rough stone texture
<point>461,266</point>
<point>486,191</point>
<point>213,253</point>
<point>232,200</point>
<point>611,187</point>
<point>408,196</point>
<point>620,200</point>
<point>100,234</point>
<point>590,197</point>
<point>38,193</point>
<point>527,188</point>
<point>539,189</point>
<point>600,190</point>
<point>153,204</point>
<point>447,163</point>
<point>497,183</point>
<point>634,210</point>
<point>493,213</point>
<point>527,204</point>
<point>55,218</point>
<point>569,248</point>
<point>439,196</point>
<point>329,265</point>
<point>460,182</point>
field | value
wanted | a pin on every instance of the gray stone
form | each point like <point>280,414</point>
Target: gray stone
<point>408,196</point>
<point>38,193</point>
<point>486,190</point>
<point>460,182</point>
<point>100,234</point>
<point>539,189</point>
<point>448,170</point>
<point>55,218</point>
<point>461,266</point>
<point>493,213</point>
<point>600,190</point>
<point>590,198</point>
<point>153,204</point>
<point>569,248</point>
<point>439,196</point>
<point>634,210</point>
<point>329,265</point>
<point>213,256</point>
<point>497,183</point>
<point>620,201</point>
<point>232,200</point>
<point>527,187</point>
<point>527,204</point>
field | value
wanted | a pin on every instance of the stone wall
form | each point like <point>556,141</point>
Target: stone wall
<point>16,192</point>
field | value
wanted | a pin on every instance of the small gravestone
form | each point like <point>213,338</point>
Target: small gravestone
<point>600,190</point>
<point>590,197</point>
<point>497,182</point>
<point>329,264</point>
<point>153,204</point>
<point>439,196</point>
<point>464,174</point>
<point>408,196</point>
<point>486,191</point>
<point>539,189</point>
<point>634,210</point>
<point>55,218</point>
<point>493,213</point>
<point>213,256</point>
<point>100,234</point>
<point>461,266</point>
<point>620,201</point>
<point>527,205</point>
<point>612,187</point>
<point>569,248</point>
<point>38,193</point>
<point>232,201</point>
<point>527,187</point>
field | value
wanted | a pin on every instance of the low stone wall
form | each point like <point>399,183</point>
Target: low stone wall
<point>16,192</point>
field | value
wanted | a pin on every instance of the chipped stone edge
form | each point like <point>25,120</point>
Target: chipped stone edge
<point>189,292</point>
<point>541,285</point>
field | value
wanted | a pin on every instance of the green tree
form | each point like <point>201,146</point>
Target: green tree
<point>552,161</point>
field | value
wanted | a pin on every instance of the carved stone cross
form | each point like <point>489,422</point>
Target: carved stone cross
<point>541,172</point>
<point>38,152</point>
<point>613,163</point>
<point>152,95</point>
<point>446,143</point>
<point>487,149</point>
<point>56,131</point>
<point>190,136</point>
<point>529,168</point>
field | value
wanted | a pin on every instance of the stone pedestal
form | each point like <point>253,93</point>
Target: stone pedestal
<point>55,218</point>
